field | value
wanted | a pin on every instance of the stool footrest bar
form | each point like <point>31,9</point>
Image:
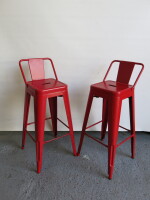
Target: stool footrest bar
<point>96,140</point>
<point>31,136</point>
<point>47,140</point>
<point>56,138</point>
<point>106,144</point>
<point>93,125</point>
<point>63,123</point>
<point>124,128</point>
<point>125,140</point>
<point>34,122</point>
<point>50,118</point>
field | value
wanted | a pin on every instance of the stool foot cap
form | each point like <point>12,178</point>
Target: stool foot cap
<point>38,171</point>
<point>102,138</point>
<point>132,157</point>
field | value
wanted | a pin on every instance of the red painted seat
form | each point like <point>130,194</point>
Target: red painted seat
<point>113,87</point>
<point>113,93</point>
<point>41,90</point>
<point>46,85</point>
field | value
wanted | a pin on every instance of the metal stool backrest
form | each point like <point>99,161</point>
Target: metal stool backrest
<point>125,71</point>
<point>36,66</point>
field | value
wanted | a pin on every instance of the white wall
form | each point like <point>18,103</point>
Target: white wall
<point>82,37</point>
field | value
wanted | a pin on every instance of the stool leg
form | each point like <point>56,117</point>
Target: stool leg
<point>88,108</point>
<point>53,111</point>
<point>132,125</point>
<point>113,126</point>
<point>25,119</point>
<point>68,113</point>
<point>39,110</point>
<point>104,119</point>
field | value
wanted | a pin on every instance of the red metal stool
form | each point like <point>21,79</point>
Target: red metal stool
<point>42,89</point>
<point>113,92</point>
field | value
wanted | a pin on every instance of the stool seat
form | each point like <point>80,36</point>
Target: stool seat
<point>46,85</point>
<point>113,87</point>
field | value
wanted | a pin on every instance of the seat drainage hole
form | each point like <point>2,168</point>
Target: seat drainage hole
<point>113,85</point>
<point>46,83</point>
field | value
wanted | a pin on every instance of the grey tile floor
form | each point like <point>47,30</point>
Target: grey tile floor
<point>65,177</point>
